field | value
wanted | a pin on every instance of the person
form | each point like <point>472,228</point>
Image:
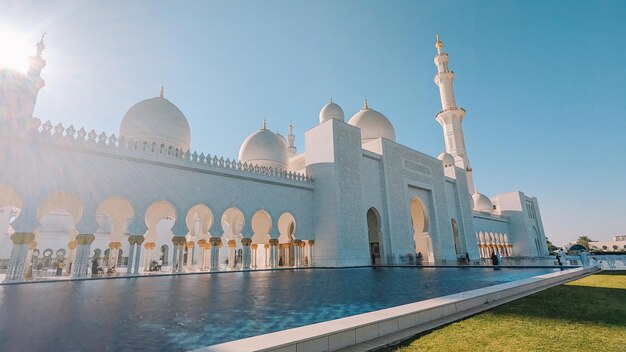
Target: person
<point>420,258</point>
<point>499,257</point>
<point>94,266</point>
<point>467,258</point>
<point>494,259</point>
<point>280,261</point>
<point>60,266</point>
<point>410,258</point>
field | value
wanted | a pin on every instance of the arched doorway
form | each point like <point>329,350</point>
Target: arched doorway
<point>373,234</point>
<point>458,247</point>
<point>421,238</point>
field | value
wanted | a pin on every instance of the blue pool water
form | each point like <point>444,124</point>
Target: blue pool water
<point>192,311</point>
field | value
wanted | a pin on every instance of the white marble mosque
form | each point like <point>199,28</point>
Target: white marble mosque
<point>74,201</point>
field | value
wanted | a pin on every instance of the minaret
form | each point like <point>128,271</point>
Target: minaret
<point>451,116</point>
<point>291,138</point>
<point>37,63</point>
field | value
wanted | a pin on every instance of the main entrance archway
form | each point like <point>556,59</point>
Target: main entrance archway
<point>421,237</point>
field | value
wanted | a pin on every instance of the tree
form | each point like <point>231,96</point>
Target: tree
<point>584,241</point>
<point>551,246</point>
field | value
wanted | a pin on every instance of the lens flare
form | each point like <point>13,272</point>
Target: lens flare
<point>15,48</point>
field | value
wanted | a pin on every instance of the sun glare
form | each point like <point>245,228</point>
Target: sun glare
<point>15,49</point>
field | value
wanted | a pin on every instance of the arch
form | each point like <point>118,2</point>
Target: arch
<point>458,248</point>
<point>374,236</point>
<point>199,220</point>
<point>119,212</point>
<point>419,222</point>
<point>232,222</point>
<point>159,218</point>
<point>61,200</point>
<point>261,226</point>
<point>286,227</point>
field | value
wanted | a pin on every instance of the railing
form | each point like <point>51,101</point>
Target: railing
<point>111,142</point>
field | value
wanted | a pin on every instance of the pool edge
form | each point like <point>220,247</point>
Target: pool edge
<point>383,327</point>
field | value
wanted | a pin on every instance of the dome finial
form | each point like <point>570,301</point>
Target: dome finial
<point>290,127</point>
<point>264,124</point>
<point>162,95</point>
<point>331,100</point>
<point>365,104</point>
<point>41,45</point>
<point>439,44</point>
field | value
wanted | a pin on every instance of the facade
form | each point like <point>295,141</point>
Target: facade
<point>617,245</point>
<point>80,201</point>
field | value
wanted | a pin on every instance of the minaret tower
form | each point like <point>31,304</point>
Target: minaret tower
<point>37,63</point>
<point>291,138</point>
<point>451,116</point>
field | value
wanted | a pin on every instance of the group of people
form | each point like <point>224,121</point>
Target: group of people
<point>496,258</point>
<point>419,258</point>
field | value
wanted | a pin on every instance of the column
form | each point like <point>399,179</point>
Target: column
<point>286,259</point>
<point>311,243</point>
<point>207,256</point>
<point>254,247</point>
<point>215,253</point>
<point>273,253</point>
<point>266,247</point>
<point>139,240</point>
<point>83,249</point>
<point>175,254</point>
<point>149,246</point>
<point>133,244</point>
<point>70,258</point>
<point>246,253</point>
<point>232,245</point>
<point>297,250</point>
<point>190,247</point>
<point>19,252</point>
<point>201,254</point>
<point>181,253</point>
<point>114,249</point>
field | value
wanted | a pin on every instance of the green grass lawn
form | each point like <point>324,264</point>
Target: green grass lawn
<point>584,315</point>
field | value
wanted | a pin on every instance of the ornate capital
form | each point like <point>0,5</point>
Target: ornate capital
<point>32,245</point>
<point>254,246</point>
<point>273,242</point>
<point>22,237</point>
<point>85,238</point>
<point>190,244</point>
<point>115,245</point>
<point>232,244</point>
<point>297,242</point>
<point>311,242</point>
<point>71,245</point>
<point>215,241</point>
<point>246,241</point>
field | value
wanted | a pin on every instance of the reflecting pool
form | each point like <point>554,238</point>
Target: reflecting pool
<point>184,312</point>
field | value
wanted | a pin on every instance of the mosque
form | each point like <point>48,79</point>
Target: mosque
<point>73,202</point>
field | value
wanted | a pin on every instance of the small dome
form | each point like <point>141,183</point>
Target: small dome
<point>331,111</point>
<point>373,125</point>
<point>156,120</point>
<point>447,159</point>
<point>265,148</point>
<point>482,203</point>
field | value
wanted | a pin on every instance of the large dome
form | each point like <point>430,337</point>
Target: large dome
<point>265,148</point>
<point>331,111</point>
<point>156,120</point>
<point>373,125</point>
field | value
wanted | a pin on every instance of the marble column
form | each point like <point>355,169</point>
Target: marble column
<point>190,249</point>
<point>215,253</point>
<point>70,258</point>
<point>175,254</point>
<point>83,250</point>
<point>201,254</point>
<point>139,240</point>
<point>232,246</point>
<point>246,253</point>
<point>266,247</point>
<point>297,251</point>
<point>181,253</point>
<point>114,249</point>
<point>253,248</point>
<point>19,252</point>
<point>311,243</point>
<point>273,253</point>
<point>131,253</point>
<point>207,256</point>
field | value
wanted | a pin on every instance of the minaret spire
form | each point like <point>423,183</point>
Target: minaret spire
<point>162,94</point>
<point>264,124</point>
<point>451,116</point>
<point>365,104</point>
<point>291,138</point>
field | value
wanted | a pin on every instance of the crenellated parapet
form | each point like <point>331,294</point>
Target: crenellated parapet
<point>69,137</point>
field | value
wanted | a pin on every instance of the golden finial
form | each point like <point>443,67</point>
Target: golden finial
<point>365,104</point>
<point>439,44</point>
<point>264,124</point>
<point>290,127</point>
<point>162,95</point>
<point>41,45</point>
<point>331,100</point>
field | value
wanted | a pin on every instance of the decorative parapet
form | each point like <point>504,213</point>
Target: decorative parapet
<point>449,109</point>
<point>82,139</point>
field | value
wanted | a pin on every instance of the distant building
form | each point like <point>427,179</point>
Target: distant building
<point>617,245</point>
<point>143,200</point>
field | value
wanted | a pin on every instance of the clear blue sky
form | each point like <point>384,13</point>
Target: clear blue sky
<point>543,82</point>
